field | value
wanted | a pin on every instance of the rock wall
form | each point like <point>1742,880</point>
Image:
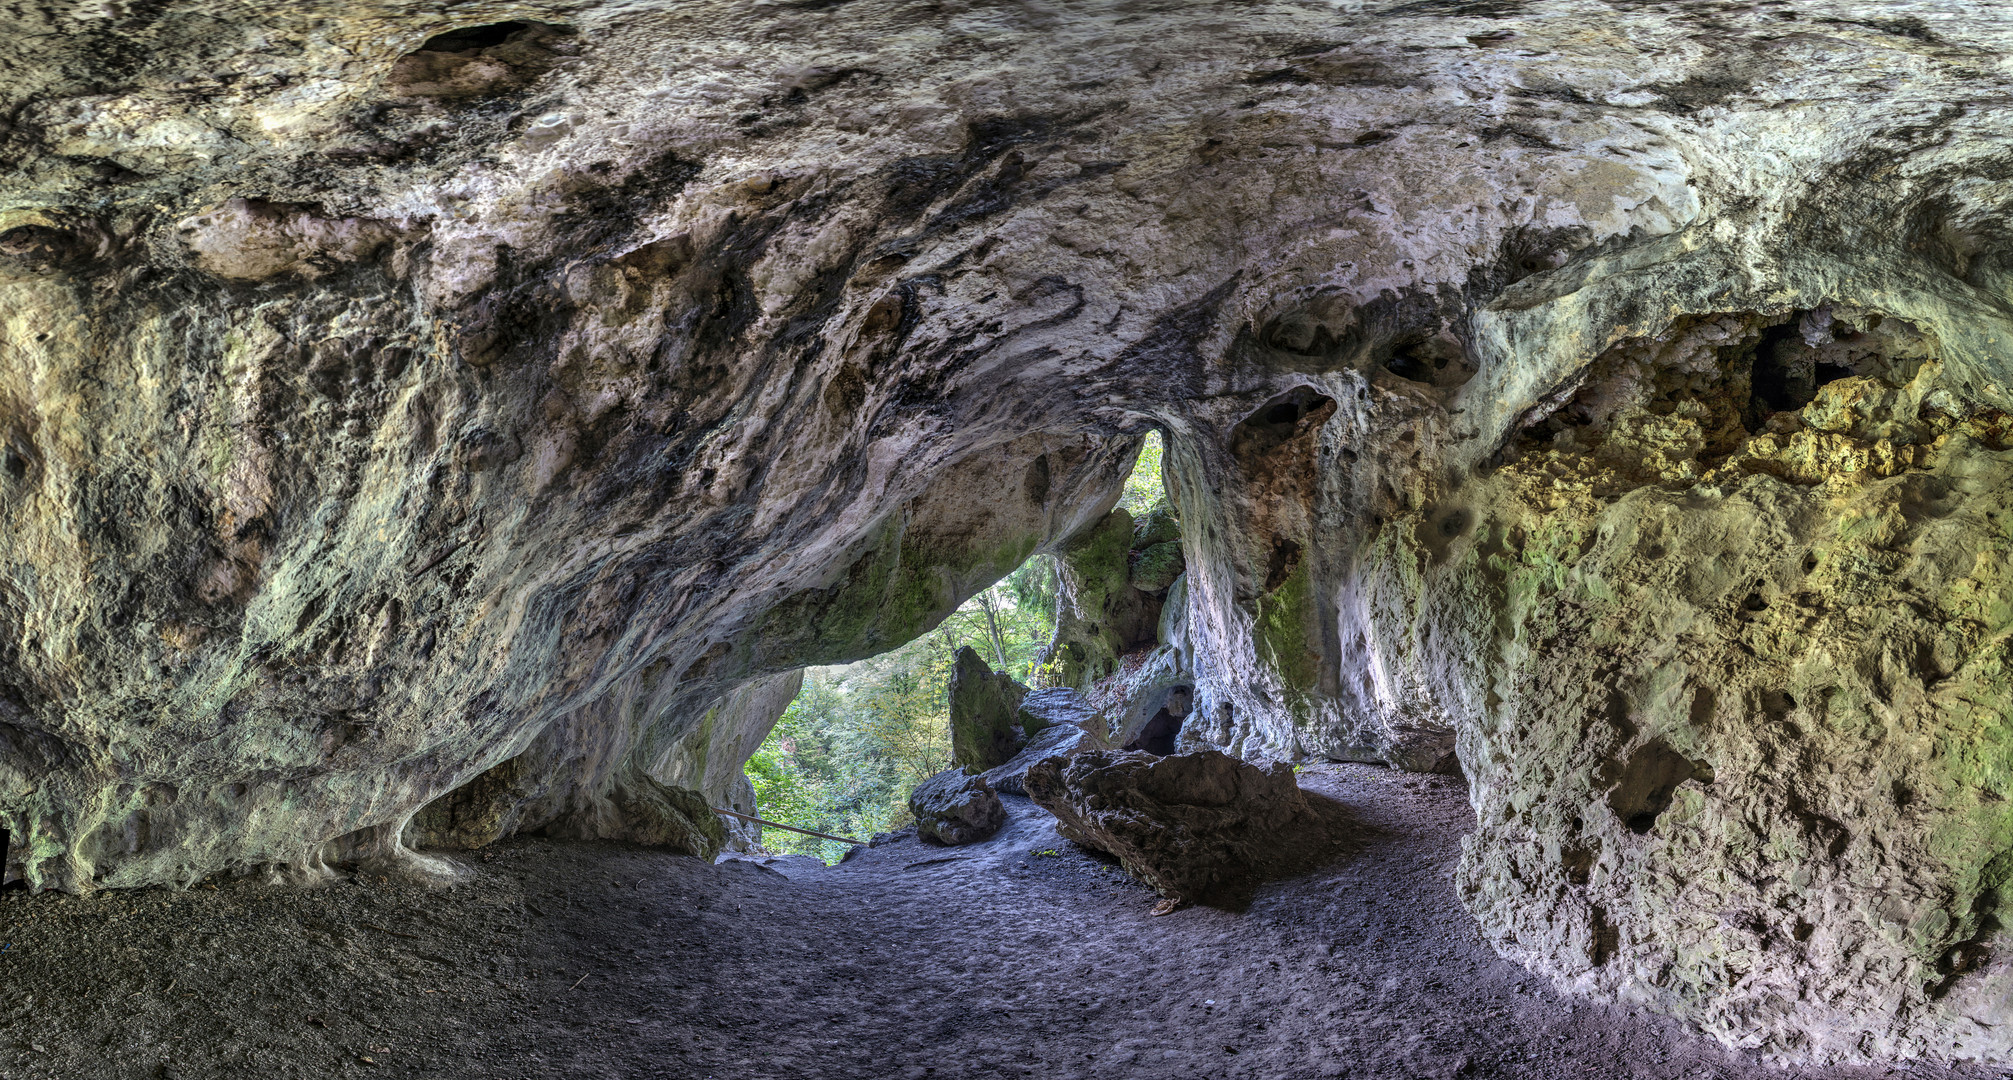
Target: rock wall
<point>391,400</point>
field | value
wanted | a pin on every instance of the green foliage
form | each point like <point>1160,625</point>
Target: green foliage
<point>859,738</point>
<point>1144,489</point>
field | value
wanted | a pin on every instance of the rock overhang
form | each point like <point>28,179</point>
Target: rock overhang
<point>380,410</point>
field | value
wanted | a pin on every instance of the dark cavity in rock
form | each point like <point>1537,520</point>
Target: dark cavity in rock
<point>1647,782</point>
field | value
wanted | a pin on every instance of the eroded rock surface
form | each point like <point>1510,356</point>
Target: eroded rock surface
<point>955,807</point>
<point>987,728</point>
<point>1063,723</point>
<point>1198,827</point>
<point>1608,396</point>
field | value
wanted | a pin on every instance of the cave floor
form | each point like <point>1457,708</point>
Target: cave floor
<point>1020,957</point>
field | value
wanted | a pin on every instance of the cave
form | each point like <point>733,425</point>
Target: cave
<point>1160,734</point>
<point>436,444</point>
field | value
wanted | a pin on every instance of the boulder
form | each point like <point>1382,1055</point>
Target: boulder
<point>953,807</point>
<point>1154,568</point>
<point>986,729</point>
<point>1198,827</point>
<point>1157,526</point>
<point>1059,705</point>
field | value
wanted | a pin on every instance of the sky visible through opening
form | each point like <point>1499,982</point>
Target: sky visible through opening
<point>859,737</point>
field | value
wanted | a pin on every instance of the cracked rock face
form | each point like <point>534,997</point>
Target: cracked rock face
<point>954,807</point>
<point>1198,827</point>
<point>419,428</point>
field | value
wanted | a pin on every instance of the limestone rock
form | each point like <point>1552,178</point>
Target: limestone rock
<point>985,714</point>
<point>954,807</point>
<point>1056,705</point>
<point>1063,724</point>
<point>1103,617</point>
<point>1196,826</point>
<point>1155,568</point>
<point>424,390</point>
<point>1159,526</point>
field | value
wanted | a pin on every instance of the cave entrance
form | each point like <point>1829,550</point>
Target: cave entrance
<point>859,737</point>
<point>1159,734</point>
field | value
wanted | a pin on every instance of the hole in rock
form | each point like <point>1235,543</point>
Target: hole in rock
<point>1783,378</point>
<point>1287,417</point>
<point>1159,734</point>
<point>1284,560</point>
<point>1645,784</point>
<point>471,38</point>
<point>1435,360</point>
<point>1731,390</point>
<point>859,737</point>
<point>481,61</point>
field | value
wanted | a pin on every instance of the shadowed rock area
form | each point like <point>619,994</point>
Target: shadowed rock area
<point>423,428</point>
<point>954,807</point>
<point>1198,828</point>
<point>1019,956</point>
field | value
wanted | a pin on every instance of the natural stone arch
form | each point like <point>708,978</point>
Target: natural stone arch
<point>364,433</point>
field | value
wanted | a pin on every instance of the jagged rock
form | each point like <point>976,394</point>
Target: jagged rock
<point>1063,723</point>
<point>985,714</point>
<point>1198,827</point>
<point>955,807</point>
<point>414,394</point>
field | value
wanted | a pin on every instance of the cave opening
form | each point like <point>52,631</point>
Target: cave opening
<point>1161,733</point>
<point>858,738</point>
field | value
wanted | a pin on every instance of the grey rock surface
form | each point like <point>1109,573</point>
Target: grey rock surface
<point>1611,398</point>
<point>985,714</point>
<point>954,807</point>
<point>1197,827</point>
<point>1063,724</point>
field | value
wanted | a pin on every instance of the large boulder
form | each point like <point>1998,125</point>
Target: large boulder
<point>954,807</point>
<point>1198,827</point>
<point>986,727</point>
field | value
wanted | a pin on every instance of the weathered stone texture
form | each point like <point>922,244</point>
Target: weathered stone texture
<point>954,807</point>
<point>1198,827</point>
<point>1061,723</point>
<point>1608,396</point>
<point>985,714</point>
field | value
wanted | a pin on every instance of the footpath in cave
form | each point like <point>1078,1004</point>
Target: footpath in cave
<point>1023,956</point>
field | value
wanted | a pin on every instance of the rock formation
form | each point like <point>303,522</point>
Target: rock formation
<point>1062,722</point>
<point>955,807</point>
<point>987,728</point>
<point>398,405</point>
<point>1198,827</point>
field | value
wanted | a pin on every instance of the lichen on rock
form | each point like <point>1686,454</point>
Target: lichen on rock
<point>987,727</point>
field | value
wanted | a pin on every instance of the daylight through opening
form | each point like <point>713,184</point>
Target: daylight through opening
<point>859,738</point>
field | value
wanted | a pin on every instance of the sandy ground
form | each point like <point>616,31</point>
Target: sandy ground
<point>1020,957</point>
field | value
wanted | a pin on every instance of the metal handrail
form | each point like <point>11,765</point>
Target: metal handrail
<point>792,828</point>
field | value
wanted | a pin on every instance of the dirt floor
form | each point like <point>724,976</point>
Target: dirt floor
<point>1020,957</point>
